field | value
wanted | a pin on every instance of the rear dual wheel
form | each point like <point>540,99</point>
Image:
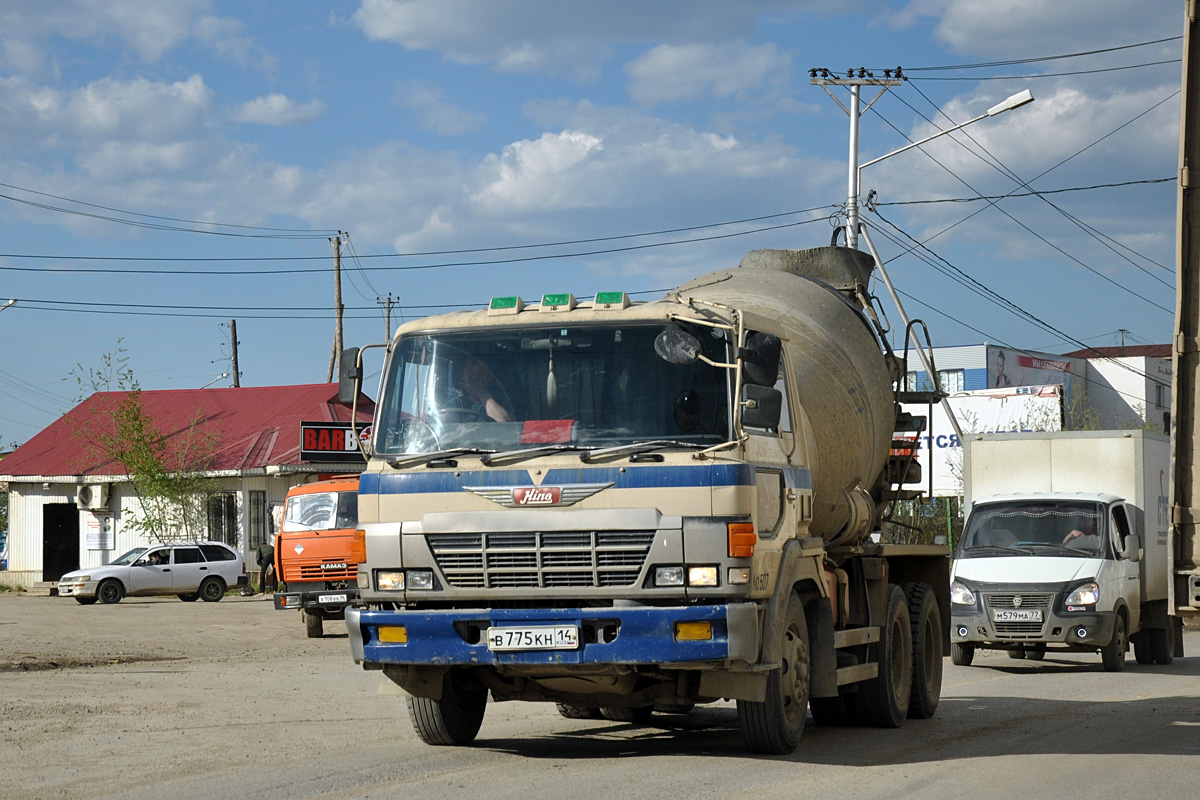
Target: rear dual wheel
<point>884,700</point>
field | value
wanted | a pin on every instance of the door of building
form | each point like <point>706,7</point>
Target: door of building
<point>60,540</point>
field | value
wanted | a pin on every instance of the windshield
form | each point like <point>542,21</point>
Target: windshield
<point>594,386</point>
<point>1029,528</point>
<point>321,511</point>
<point>130,557</point>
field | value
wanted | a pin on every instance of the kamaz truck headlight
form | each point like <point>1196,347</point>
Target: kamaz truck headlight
<point>960,595</point>
<point>1086,595</point>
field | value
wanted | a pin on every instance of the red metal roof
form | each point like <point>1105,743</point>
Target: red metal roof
<point>1128,351</point>
<point>251,427</point>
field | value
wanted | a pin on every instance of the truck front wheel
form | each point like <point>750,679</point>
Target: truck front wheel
<point>455,717</point>
<point>775,725</point>
<point>883,701</point>
<point>1113,653</point>
<point>314,626</point>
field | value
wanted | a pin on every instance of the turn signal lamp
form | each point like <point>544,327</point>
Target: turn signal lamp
<point>693,631</point>
<point>393,634</point>
<point>356,551</point>
<point>742,539</point>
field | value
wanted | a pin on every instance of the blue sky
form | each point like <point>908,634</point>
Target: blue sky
<point>431,126</point>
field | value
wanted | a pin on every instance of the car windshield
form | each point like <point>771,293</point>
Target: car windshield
<point>321,511</point>
<point>1034,528</point>
<point>592,386</point>
<point>130,557</point>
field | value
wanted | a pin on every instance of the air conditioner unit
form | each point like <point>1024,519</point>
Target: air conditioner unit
<point>92,496</point>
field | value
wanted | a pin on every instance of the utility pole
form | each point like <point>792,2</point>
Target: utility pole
<point>336,356</point>
<point>387,314</point>
<point>1183,593</point>
<point>824,78</point>
<point>233,343</point>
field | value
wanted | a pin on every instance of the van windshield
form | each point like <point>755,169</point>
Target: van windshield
<point>591,386</point>
<point>1027,528</point>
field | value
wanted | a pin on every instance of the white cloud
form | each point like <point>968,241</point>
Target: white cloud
<point>434,112</point>
<point>150,28</point>
<point>528,35</point>
<point>690,72</point>
<point>277,109</point>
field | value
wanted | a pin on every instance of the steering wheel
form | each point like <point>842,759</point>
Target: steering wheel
<point>424,436</point>
<point>461,415</point>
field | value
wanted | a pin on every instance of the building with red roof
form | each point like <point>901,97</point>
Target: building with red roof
<point>68,500</point>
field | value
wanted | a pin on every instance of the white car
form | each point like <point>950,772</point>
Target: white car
<point>189,570</point>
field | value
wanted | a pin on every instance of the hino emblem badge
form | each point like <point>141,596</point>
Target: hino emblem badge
<point>537,496</point>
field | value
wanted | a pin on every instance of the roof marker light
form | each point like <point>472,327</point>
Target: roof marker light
<point>611,300</point>
<point>506,305</point>
<point>558,302</point>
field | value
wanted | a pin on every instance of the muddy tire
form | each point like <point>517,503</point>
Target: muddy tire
<point>925,618</point>
<point>776,724</point>
<point>883,701</point>
<point>455,717</point>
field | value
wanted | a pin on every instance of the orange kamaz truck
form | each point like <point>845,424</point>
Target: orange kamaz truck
<point>318,550</point>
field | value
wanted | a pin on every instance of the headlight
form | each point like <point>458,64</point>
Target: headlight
<point>960,595</point>
<point>1086,595</point>
<point>389,581</point>
<point>77,579</point>
<point>702,576</point>
<point>420,579</point>
<point>668,576</point>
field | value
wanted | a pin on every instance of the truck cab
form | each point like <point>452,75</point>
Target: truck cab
<point>318,550</point>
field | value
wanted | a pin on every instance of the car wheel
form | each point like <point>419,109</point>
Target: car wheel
<point>212,590</point>
<point>637,714</point>
<point>85,601</point>
<point>111,591</point>
<point>189,598</point>
<point>577,712</point>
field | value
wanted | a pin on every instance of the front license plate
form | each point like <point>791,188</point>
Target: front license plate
<point>1015,615</point>
<point>331,598</point>
<point>545,637</point>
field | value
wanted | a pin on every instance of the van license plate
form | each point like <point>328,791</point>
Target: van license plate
<point>331,598</point>
<point>1015,615</point>
<point>543,637</point>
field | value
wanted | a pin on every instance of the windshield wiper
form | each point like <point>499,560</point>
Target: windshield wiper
<point>639,447</point>
<point>412,458</point>
<point>1006,548</point>
<point>531,452</point>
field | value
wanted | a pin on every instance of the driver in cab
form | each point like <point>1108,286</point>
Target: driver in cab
<point>479,386</point>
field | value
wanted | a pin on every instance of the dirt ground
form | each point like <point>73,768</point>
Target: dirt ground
<point>157,698</point>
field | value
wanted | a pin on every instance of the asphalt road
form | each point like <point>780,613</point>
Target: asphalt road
<point>157,698</point>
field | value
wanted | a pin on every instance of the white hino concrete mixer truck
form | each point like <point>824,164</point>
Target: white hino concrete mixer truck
<point>625,507</point>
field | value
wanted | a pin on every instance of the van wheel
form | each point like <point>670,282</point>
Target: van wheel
<point>1143,652</point>
<point>775,725</point>
<point>1162,643</point>
<point>111,591</point>
<point>635,715</point>
<point>314,626</point>
<point>883,701</point>
<point>1113,653</point>
<point>577,712</point>
<point>212,590</point>
<point>455,717</point>
<point>961,655</point>
<point>1036,653</point>
<point>926,620</point>
<point>1016,655</point>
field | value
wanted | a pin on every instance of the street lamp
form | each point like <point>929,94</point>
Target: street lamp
<point>9,303</point>
<point>1016,101</point>
<point>214,380</point>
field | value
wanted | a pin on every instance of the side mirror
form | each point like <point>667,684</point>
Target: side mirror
<point>760,358</point>
<point>1133,547</point>
<point>761,406</point>
<point>349,376</point>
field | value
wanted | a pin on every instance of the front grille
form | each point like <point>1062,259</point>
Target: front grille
<point>313,572</point>
<point>1018,630</point>
<point>548,559</point>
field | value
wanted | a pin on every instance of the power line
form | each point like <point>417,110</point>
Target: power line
<point>1035,76</point>
<point>985,64</point>
<point>1030,193</point>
